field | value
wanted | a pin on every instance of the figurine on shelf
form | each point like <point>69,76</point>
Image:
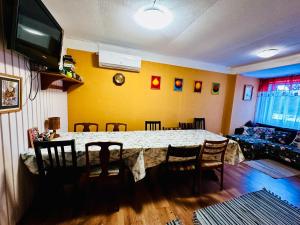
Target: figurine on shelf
<point>69,67</point>
<point>69,74</point>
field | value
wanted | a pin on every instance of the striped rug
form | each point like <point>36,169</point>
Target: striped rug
<point>257,208</point>
<point>175,222</point>
<point>273,168</point>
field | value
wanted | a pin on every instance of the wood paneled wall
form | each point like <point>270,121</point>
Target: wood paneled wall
<point>15,184</point>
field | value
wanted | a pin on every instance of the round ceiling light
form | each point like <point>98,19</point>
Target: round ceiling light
<point>268,53</point>
<point>153,17</point>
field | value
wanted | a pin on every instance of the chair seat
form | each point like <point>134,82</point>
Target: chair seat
<point>64,176</point>
<point>186,165</point>
<point>210,163</point>
<point>96,171</point>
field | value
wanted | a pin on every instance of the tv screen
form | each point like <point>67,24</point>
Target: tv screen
<point>34,32</point>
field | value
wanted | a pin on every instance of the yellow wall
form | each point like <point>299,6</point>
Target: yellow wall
<point>99,100</point>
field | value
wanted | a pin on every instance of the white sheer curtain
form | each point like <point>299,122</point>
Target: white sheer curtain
<point>279,107</point>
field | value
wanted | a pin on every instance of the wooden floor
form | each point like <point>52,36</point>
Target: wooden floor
<point>152,203</point>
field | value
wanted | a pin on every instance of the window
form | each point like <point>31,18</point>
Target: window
<point>278,102</point>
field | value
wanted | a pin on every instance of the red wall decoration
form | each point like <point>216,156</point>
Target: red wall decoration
<point>155,82</point>
<point>197,86</point>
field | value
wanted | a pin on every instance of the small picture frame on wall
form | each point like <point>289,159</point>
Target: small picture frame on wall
<point>178,84</point>
<point>155,82</point>
<point>248,91</point>
<point>11,93</point>
<point>197,86</point>
<point>215,89</point>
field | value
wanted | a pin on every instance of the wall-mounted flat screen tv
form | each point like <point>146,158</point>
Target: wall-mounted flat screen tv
<point>32,31</point>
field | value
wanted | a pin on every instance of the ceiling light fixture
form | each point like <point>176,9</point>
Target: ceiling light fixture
<point>154,17</point>
<point>268,53</point>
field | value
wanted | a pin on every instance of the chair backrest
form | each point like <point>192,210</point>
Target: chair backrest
<point>199,123</point>
<point>183,152</point>
<point>171,128</point>
<point>104,154</point>
<point>153,125</point>
<point>116,126</point>
<point>185,126</point>
<point>56,155</point>
<point>86,126</point>
<point>33,134</point>
<point>216,149</point>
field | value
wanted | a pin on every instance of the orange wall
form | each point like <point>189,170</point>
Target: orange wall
<point>243,111</point>
<point>99,100</point>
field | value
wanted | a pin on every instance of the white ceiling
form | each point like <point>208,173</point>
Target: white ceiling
<point>222,32</point>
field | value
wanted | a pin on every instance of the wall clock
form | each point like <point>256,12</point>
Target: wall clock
<point>119,79</point>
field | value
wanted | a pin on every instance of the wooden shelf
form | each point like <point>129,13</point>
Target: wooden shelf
<point>47,78</point>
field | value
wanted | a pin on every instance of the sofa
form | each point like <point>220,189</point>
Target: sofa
<point>259,141</point>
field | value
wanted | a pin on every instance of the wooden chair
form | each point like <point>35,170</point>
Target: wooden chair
<point>116,126</point>
<point>56,155</point>
<point>186,126</point>
<point>153,125</point>
<point>171,128</point>
<point>189,162</point>
<point>199,123</point>
<point>107,170</point>
<point>86,126</point>
<point>216,150</point>
<point>54,170</point>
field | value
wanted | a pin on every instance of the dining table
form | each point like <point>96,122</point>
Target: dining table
<point>141,149</point>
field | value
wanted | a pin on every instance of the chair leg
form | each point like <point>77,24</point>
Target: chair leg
<point>117,196</point>
<point>147,177</point>
<point>199,183</point>
<point>222,178</point>
<point>116,200</point>
<point>194,182</point>
<point>165,178</point>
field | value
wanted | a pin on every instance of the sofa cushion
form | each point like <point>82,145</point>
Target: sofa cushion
<point>287,153</point>
<point>283,147</point>
<point>282,137</point>
<point>265,132</point>
<point>252,147</point>
<point>296,141</point>
<point>249,139</point>
<point>249,131</point>
<point>259,132</point>
<point>250,124</point>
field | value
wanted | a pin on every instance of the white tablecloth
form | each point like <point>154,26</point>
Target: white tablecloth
<point>142,149</point>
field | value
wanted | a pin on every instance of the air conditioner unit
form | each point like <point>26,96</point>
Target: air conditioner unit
<point>114,60</point>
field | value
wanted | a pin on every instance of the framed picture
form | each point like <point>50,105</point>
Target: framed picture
<point>197,86</point>
<point>248,90</point>
<point>215,89</point>
<point>178,83</point>
<point>155,82</point>
<point>11,93</point>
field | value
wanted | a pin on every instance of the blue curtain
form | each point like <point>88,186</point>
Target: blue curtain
<point>279,108</point>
